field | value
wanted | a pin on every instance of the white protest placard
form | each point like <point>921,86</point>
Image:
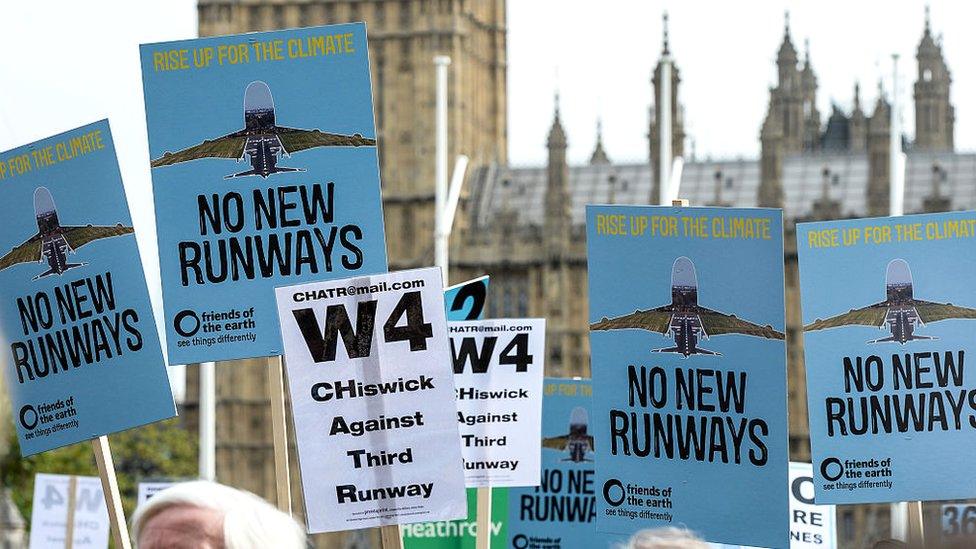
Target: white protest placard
<point>811,526</point>
<point>498,370</point>
<point>49,513</point>
<point>372,394</point>
<point>147,490</point>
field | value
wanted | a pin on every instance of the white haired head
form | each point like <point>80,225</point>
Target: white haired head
<point>666,538</point>
<point>241,519</point>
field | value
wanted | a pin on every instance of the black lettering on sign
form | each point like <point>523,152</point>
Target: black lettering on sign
<point>322,343</point>
<point>515,353</point>
<point>416,330</point>
<point>477,292</point>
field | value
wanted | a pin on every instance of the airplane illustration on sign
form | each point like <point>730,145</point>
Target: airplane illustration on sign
<point>684,320</point>
<point>900,313</point>
<point>577,442</point>
<point>53,241</point>
<point>261,140</point>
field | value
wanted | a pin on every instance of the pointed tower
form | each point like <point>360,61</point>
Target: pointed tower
<point>677,116</point>
<point>858,130</point>
<point>557,212</point>
<point>879,181</point>
<point>556,272</point>
<point>811,116</point>
<point>599,155</point>
<point>783,129</point>
<point>771,160</point>
<point>788,95</point>
<point>934,115</point>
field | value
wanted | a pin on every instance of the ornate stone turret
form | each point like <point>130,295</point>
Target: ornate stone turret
<point>557,214</point>
<point>857,127</point>
<point>879,180</point>
<point>934,114</point>
<point>599,155</point>
<point>677,116</point>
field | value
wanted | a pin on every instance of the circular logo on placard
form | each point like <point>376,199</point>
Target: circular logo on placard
<point>186,323</point>
<point>611,488</point>
<point>831,469</point>
<point>520,541</point>
<point>28,417</point>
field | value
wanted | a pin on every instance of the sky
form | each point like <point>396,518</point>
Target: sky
<point>70,63</point>
<point>601,61</point>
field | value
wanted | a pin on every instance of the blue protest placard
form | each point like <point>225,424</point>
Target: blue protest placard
<point>888,314</point>
<point>689,370</point>
<point>467,300</point>
<point>560,513</point>
<point>264,168</point>
<point>82,355</point>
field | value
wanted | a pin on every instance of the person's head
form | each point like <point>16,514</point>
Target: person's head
<point>207,515</point>
<point>665,538</point>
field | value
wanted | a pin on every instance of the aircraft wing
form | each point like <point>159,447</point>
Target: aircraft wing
<point>228,146</point>
<point>28,252</point>
<point>653,320</point>
<point>590,438</point>
<point>295,140</point>
<point>79,236</point>
<point>872,315</point>
<point>931,311</point>
<point>555,443</point>
<point>716,323</point>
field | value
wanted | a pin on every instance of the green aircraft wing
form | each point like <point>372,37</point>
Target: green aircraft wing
<point>228,146</point>
<point>931,311</point>
<point>872,315</point>
<point>555,443</point>
<point>715,323</point>
<point>652,320</point>
<point>28,252</point>
<point>295,140</point>
<point>79,236</point>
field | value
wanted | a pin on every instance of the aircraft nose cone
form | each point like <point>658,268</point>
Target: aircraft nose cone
<point>898,272</point>
<point>257,96</point>
<point>43,201</point>
<point>683,273</point>
<point>578,416</point>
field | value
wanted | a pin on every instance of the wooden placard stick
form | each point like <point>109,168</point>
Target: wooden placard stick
<point>916,526</point>
<point>390,537</point>
<point>483,529</point>
<point>110,488</point>
<point>279,430</point>
<point>69,523</point>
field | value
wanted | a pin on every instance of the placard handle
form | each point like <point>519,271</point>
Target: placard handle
<point>69,523</point>
<point>110,489</point>
<point>916,526</point>
<point>279,430</point>
<point>390,537</point>
<point>483,528</point>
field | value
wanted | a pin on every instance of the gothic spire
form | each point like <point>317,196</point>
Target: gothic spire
<point>787,53</point>
<point>599,155</point>
<point>666,46</point>
<point>557,136</point>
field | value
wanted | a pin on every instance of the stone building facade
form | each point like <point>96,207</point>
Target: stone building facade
<point>525,226</point>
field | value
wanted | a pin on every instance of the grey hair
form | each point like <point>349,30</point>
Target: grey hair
<point>665,538</point>
<point>249,521</point>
